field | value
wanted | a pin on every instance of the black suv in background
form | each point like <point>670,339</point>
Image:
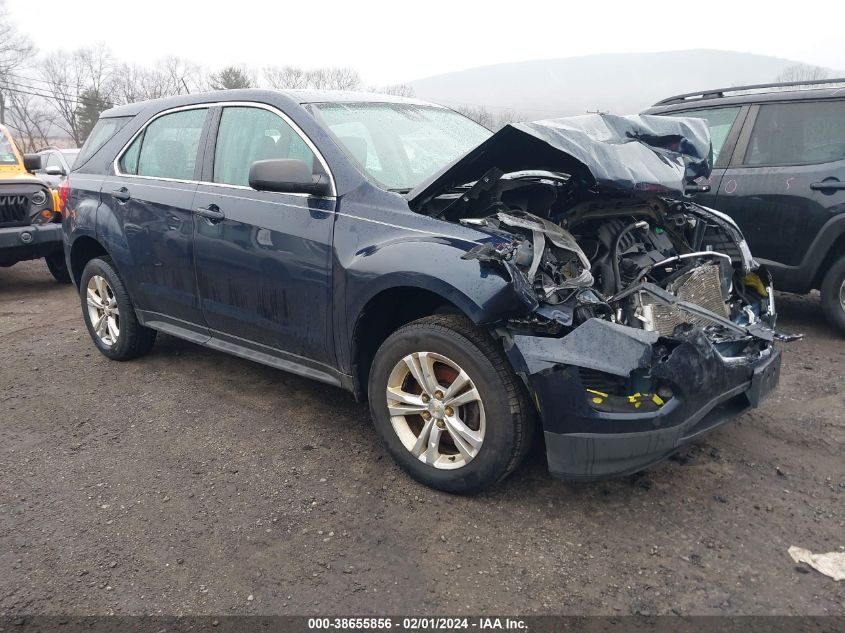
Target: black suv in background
<point>779,171</point>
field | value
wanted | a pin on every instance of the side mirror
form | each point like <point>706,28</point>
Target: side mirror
<point>287,175</point>
<point>54,170</point>
<point>32,162</point>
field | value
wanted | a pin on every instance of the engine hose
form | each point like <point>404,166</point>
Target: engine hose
<point>614,250</point>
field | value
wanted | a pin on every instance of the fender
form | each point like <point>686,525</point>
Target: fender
<point>416,258</point>
<point>434,264</point>
<point>801,278</point>
<point>91,216</point>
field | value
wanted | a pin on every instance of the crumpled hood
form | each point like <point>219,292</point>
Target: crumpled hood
<point>607,153</point>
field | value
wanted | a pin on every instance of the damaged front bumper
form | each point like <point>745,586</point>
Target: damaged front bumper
<point>701,389</point>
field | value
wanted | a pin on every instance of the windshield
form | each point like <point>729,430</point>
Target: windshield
<point>399,144</point>
<point>70,155</point>
<point>7,150</point>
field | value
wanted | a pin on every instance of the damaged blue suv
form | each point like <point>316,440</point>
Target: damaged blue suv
<point>473,287</point>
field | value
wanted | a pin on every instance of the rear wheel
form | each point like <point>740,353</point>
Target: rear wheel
<point>109,314</point>
<point>833,294</point>
<point>58,267</point>
<point>448,405</point>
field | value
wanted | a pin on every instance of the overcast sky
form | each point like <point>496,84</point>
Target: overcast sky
<point>397,41</point>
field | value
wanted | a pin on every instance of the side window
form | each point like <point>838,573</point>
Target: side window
<point>249,134</point>
<point>168,146</point>
<point>798,134</point>
<point>719,120</point>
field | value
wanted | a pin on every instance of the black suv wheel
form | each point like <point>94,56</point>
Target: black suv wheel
<point>109,313</point>
<point>448,405</point>
<point>833,294</point>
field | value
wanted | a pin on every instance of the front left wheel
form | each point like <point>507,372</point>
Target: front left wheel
<point>448,405</point>
<point>109,314</point>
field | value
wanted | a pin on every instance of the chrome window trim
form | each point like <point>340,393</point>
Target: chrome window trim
<point>224,104</point>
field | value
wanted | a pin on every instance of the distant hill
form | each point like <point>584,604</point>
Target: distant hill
<point>617,83</point>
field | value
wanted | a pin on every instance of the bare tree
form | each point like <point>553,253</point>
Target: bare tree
<point>171,76</point>
<point>82,80</point>
<point>97,66</point>
<point>400,90</point>
<point>137,83</point>
<point>328,78</point>
<point>802,72</point>
<point>342,79</point>
<point>183,76</point>
<point>16,50</point>
<point>281,77</point>
<point>491,121</point>
<point>30,119</point>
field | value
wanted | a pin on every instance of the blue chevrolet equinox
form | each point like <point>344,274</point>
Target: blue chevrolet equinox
<point>474,288</point>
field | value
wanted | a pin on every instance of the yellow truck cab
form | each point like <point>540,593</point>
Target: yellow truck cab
<point>30,218</point>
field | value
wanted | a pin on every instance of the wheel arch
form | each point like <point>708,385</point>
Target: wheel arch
<point>384,313</point>
<point>82,251</point>
<point>834,254</point>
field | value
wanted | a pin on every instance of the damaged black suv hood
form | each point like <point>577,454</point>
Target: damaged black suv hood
<point>607,153</point>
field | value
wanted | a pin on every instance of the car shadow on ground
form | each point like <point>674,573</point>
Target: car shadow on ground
<point>20,280</point>
<point>352,418</point>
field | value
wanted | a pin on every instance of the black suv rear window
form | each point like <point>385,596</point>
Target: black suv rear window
<point>798,134</point>
<point>99,136</point>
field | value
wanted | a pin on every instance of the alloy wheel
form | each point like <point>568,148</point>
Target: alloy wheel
<point>842,295</point>
<point>436,410</point>
<point>103,310</point>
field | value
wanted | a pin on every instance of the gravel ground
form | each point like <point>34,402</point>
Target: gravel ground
<point>192,482</point>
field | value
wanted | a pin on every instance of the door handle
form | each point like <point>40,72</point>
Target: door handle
<point>828,185</point>
<point>211,213</point>
<point>121,194</point>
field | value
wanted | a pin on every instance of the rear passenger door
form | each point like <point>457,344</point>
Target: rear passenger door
<point>152,197</point>
<point>264,261</point>
<point>782,182</point>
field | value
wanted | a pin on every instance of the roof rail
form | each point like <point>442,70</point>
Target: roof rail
<point>46,147</point>
<point>720,92</point>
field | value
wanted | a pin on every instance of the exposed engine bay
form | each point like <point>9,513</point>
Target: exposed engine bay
<point>637,318</point>
<point>662,266</point>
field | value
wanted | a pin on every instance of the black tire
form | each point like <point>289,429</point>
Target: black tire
<point>831,289</point>
<point>134,339</point>
<point>509,413</point>
<point>58,267</point>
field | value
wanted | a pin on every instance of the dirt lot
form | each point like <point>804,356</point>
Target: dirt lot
<point>191,482</point>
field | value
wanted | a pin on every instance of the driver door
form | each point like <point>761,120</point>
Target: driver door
<point>263,259</point>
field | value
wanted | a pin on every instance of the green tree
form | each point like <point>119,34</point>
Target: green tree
<point>230,78</point>
<point>90,106</point>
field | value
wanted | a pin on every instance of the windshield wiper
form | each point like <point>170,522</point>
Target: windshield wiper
<point>400,190</point>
